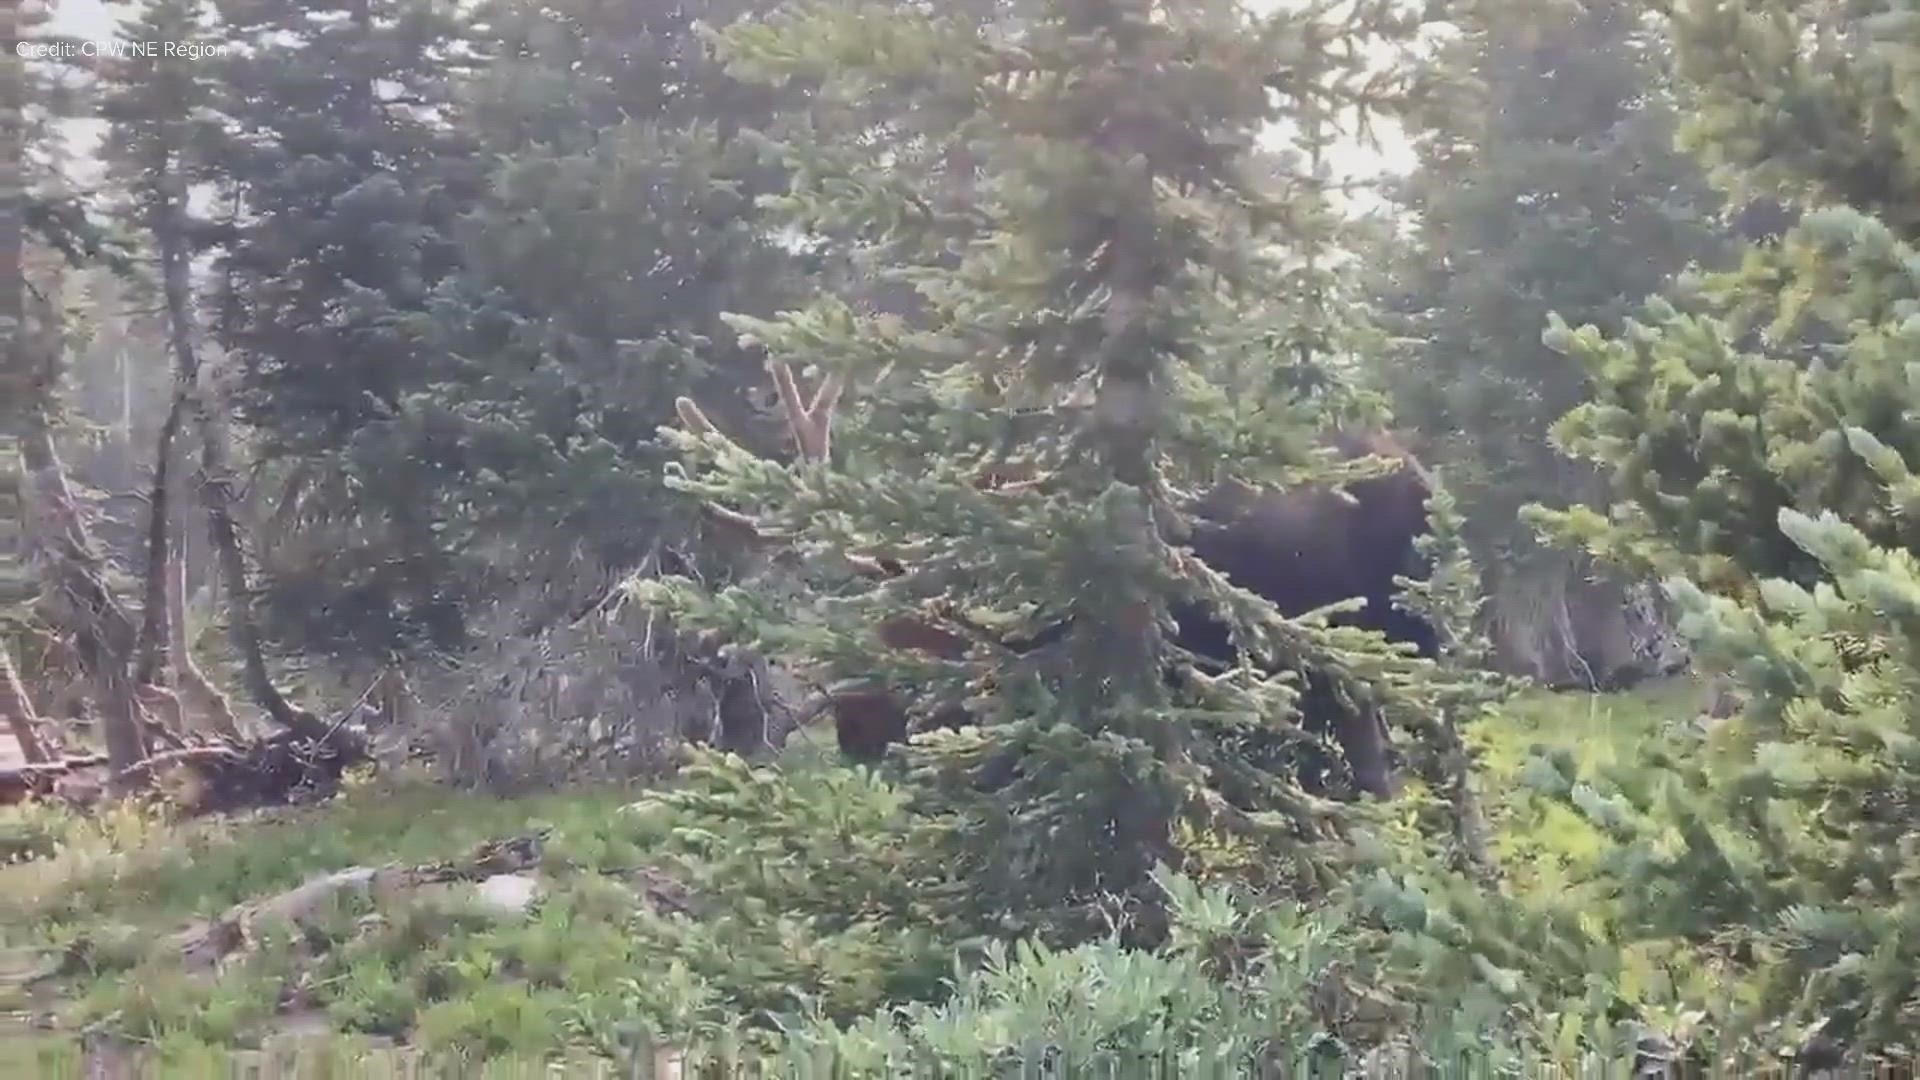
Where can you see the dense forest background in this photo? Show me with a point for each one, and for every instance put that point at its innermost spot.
(502, 401)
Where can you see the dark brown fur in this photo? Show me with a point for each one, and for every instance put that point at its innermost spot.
(1307, 548)
(1301, 549)
(866, 722)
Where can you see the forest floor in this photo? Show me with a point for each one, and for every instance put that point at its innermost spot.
(102, 918)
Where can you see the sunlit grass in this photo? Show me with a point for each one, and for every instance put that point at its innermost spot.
(1545, 847)
(137, 866)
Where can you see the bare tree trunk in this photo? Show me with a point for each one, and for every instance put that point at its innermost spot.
(17, 709)
(202, 700)
(216, 495)
(78, 601)
(151, 658)
(164, 632)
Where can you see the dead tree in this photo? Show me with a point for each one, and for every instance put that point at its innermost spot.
(75, 598)
(200, 699)
(163, 631)
(243, 626)
(17, 709)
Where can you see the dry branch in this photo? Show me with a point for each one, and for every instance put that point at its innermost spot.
(17, 710)
(216, 495)
(77, 600)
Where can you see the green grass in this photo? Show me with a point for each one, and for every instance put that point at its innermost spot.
(116, 886)
(1598, 729)
(807, 886)
(139, 868)
(804, 906)
(1544, 846)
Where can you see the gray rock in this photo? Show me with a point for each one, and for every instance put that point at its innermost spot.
(510, 894)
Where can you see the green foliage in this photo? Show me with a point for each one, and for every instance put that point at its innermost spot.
(1041, 242)
(1789, 100)
(1546, 182)
(1389, 968)
(734, 902)
(802, 913)
(340, 187)
(1758, 435)
(831, 903)
(1709, 438)
(136, 864)
(609, 133)
(1719, 410)
(1072, 195)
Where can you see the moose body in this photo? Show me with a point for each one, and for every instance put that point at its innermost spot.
(1305, 548)
(1301, 549)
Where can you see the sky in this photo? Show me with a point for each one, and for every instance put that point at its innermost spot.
(97, 20)
(89, 18)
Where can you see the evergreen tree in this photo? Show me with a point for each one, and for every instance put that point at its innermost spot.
(1758, 435)
(1067, 185)
(617, 226)
(1547, 182)
(344, 180)
(1789, 101)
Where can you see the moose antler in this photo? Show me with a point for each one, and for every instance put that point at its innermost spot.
(811, 424)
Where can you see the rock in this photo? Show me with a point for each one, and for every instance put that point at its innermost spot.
(510, 894)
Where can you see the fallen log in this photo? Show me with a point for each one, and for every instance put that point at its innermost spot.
(203, 946)
(37, 780)
(210, 778)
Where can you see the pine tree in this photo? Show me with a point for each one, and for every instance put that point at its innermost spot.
(1066, 184)
(1758, 433)
(617, 227)
(343, 183)
(1788, 101)
(1547, 182)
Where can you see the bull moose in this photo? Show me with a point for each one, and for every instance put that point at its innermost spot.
(1300, 548)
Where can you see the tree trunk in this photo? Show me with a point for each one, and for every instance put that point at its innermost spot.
(155, 648)
(77, 600)
(1470, 829)
(201, 700)
(17, 709)
(165, 626)
(216, 495)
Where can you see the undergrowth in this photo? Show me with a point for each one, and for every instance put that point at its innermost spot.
(796, 909)
(736, 893)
